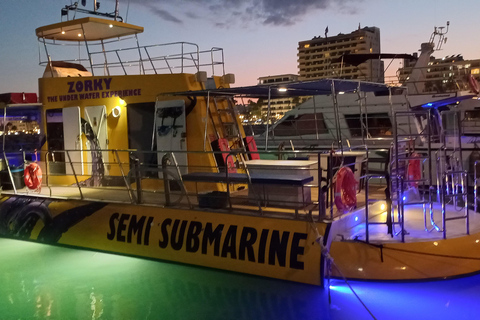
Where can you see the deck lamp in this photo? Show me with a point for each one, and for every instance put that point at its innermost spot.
(116, 112)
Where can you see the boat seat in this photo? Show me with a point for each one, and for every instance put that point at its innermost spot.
(256, 178)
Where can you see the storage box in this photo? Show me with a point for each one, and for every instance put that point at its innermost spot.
(214, 200)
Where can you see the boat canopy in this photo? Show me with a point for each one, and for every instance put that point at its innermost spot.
(299, 88)
(87, 29)
(358, 58)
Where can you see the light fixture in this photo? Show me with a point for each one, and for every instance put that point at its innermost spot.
(110, 25)
(63, 32)
(122, 102)
(282, 89)
(79, 34)
(116, 112)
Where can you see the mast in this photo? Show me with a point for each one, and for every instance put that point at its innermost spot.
(416, 81)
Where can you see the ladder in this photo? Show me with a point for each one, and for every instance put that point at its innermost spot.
(227, 120)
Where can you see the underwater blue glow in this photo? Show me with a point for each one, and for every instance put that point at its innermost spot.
(341, 288)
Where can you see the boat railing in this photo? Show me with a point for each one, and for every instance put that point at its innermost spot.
(174, 57)
(294, 188)
(152, 59)
(161, 178)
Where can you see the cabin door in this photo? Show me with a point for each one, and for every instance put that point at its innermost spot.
(72, 139)
(170, 131)
(95, 129)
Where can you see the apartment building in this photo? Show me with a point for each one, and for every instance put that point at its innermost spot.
(278, 107)
(320, 57)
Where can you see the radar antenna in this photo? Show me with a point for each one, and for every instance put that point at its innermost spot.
(438, 31)
(96, 5)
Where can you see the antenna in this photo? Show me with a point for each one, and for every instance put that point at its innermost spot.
(438, 31)
(96, 5)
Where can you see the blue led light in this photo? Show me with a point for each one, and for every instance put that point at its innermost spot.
(404, 198)
(356, 219)
(427, 105)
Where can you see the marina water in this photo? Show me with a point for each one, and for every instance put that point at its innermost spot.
(50, 282)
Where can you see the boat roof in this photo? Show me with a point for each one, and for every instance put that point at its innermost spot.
(289, 89)
(358, 58)
(87, 29)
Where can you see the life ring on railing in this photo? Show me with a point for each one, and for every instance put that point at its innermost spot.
(473, 84)
(414, 170)
(32, 175)
(345, 189)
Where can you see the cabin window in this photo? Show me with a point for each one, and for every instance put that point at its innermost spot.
(379, 124)
(303, 124)
(472, 115)
(21, 128)
(55, 140)
(141, 117)
(471, 122)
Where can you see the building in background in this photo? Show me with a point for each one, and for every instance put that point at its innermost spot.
(278, 107)
(320, 57)
(443, 74)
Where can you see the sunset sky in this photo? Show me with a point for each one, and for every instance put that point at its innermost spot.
(259, 37)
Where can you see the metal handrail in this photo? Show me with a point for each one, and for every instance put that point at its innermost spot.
(367, 201)
(9, 172)
(475, 185)
(127, 184)
(74, 174)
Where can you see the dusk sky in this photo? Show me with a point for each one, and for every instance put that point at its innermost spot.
(259, 37)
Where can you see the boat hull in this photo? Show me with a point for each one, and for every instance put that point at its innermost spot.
(270, 247)
(426, 260)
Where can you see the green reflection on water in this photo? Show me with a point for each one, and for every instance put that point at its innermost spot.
(48, 282)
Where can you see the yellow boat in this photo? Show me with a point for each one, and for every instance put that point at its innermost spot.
(144, 155)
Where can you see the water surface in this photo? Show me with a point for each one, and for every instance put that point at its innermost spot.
(47, 282)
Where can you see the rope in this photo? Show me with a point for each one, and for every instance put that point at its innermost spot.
(326, 253)
(353, 291)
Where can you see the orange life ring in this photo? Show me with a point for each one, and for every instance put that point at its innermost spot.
(473, 84)
(32, 175)
(345, 189)
(414, 170)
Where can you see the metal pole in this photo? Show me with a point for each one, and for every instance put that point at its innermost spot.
(268, 118)
(315, 117)
(4, 123)
(166, 182)
(116, 10)
(206, 122)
